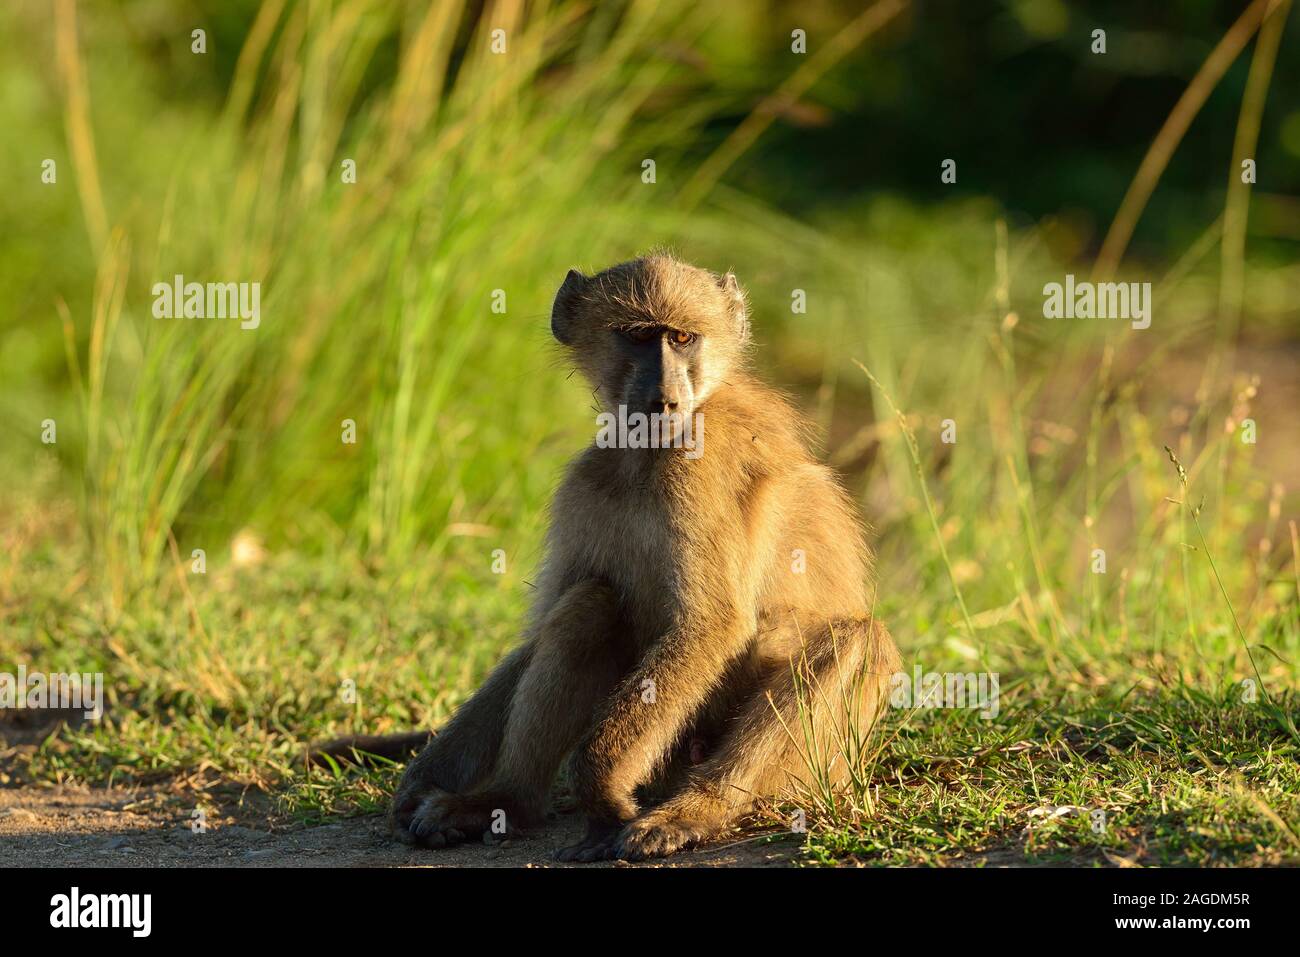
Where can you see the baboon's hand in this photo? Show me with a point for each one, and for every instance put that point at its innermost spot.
(658, 835)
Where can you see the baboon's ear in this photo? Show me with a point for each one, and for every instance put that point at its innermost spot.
(736, 304)
(562, 310)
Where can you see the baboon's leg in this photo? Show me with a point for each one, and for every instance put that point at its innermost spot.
(465, 750)
(574, 665)
(759, 755)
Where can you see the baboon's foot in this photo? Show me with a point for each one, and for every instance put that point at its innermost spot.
(442, 819)
(659, 833)
(597, 845)
(406, 810)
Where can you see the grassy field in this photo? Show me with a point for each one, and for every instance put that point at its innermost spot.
(1158, 688)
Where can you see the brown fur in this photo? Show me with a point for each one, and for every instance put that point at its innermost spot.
(675, 571)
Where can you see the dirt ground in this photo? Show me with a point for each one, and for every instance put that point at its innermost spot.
(83, 827)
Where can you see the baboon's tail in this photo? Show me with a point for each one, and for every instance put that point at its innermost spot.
(362, 749)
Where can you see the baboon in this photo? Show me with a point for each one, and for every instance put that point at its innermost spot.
(684, 600)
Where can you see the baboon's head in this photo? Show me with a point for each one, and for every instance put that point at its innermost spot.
(654, 334)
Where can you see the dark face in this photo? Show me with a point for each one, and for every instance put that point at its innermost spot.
(653, 334)
(662, 368)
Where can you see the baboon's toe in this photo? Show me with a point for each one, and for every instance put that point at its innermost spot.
(597, 845)
(401, 831)
(598, 852)
(443, 819)
(408, 817)
(586, 852)
(421, 820)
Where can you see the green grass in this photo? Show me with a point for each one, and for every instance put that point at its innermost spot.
(1121, 692)
(1185, 772)
(1182, 776)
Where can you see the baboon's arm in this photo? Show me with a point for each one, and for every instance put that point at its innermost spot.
(650, 709)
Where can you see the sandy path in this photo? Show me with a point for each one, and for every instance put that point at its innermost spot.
(85, 827)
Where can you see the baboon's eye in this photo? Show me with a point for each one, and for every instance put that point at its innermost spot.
(641, 333)
(683, 338)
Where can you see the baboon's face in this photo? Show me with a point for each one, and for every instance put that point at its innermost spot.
(654, 334)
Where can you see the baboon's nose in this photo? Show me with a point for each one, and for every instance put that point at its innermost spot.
(670, 395)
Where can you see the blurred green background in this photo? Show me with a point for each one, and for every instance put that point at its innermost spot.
(478, 171)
